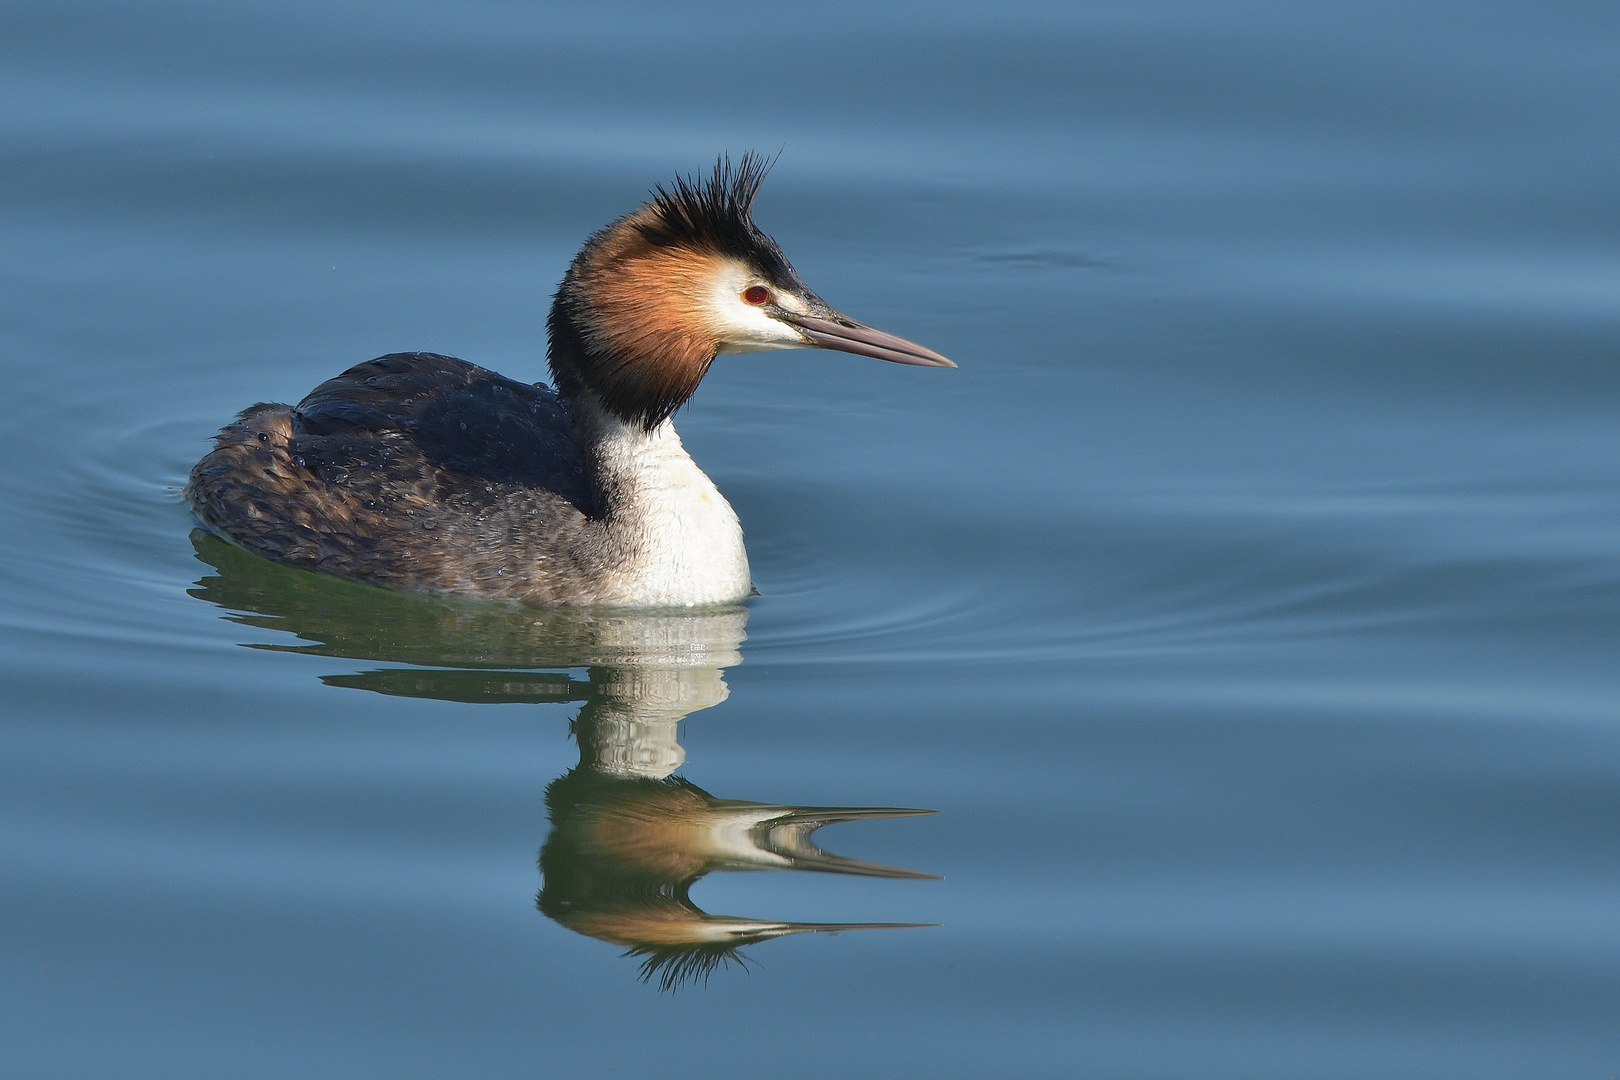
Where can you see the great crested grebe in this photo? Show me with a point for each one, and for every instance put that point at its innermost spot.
(420, 471)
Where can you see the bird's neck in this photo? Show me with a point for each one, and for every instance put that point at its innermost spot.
(637, 365)
(679, 542)
(675, 539)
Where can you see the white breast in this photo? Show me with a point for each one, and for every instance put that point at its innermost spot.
(683, 542)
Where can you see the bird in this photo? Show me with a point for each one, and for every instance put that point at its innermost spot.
(424, 472)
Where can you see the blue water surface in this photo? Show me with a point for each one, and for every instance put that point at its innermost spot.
(1247, 602)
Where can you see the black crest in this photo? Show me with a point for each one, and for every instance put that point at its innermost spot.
(716, 213)
(683, 965)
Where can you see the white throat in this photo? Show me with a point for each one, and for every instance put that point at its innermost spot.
(681, 541)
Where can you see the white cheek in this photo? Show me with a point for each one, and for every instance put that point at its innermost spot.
(748, 329)
(741, 326)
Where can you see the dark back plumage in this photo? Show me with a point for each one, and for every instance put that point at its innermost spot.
(469, 425)
(413, 470)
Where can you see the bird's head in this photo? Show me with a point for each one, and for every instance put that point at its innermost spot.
(655, 296)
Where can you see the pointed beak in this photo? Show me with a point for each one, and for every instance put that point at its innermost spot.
(830, 330)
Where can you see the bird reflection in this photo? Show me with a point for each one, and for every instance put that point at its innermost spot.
(628, 839)
(624, 853)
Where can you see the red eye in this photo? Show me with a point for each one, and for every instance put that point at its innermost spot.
(756, 294)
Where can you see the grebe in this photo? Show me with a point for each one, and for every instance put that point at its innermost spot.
(419, 471)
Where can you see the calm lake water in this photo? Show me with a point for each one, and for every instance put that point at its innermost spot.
(1247, 604)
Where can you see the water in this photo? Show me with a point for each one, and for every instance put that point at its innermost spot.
(1246, 604)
